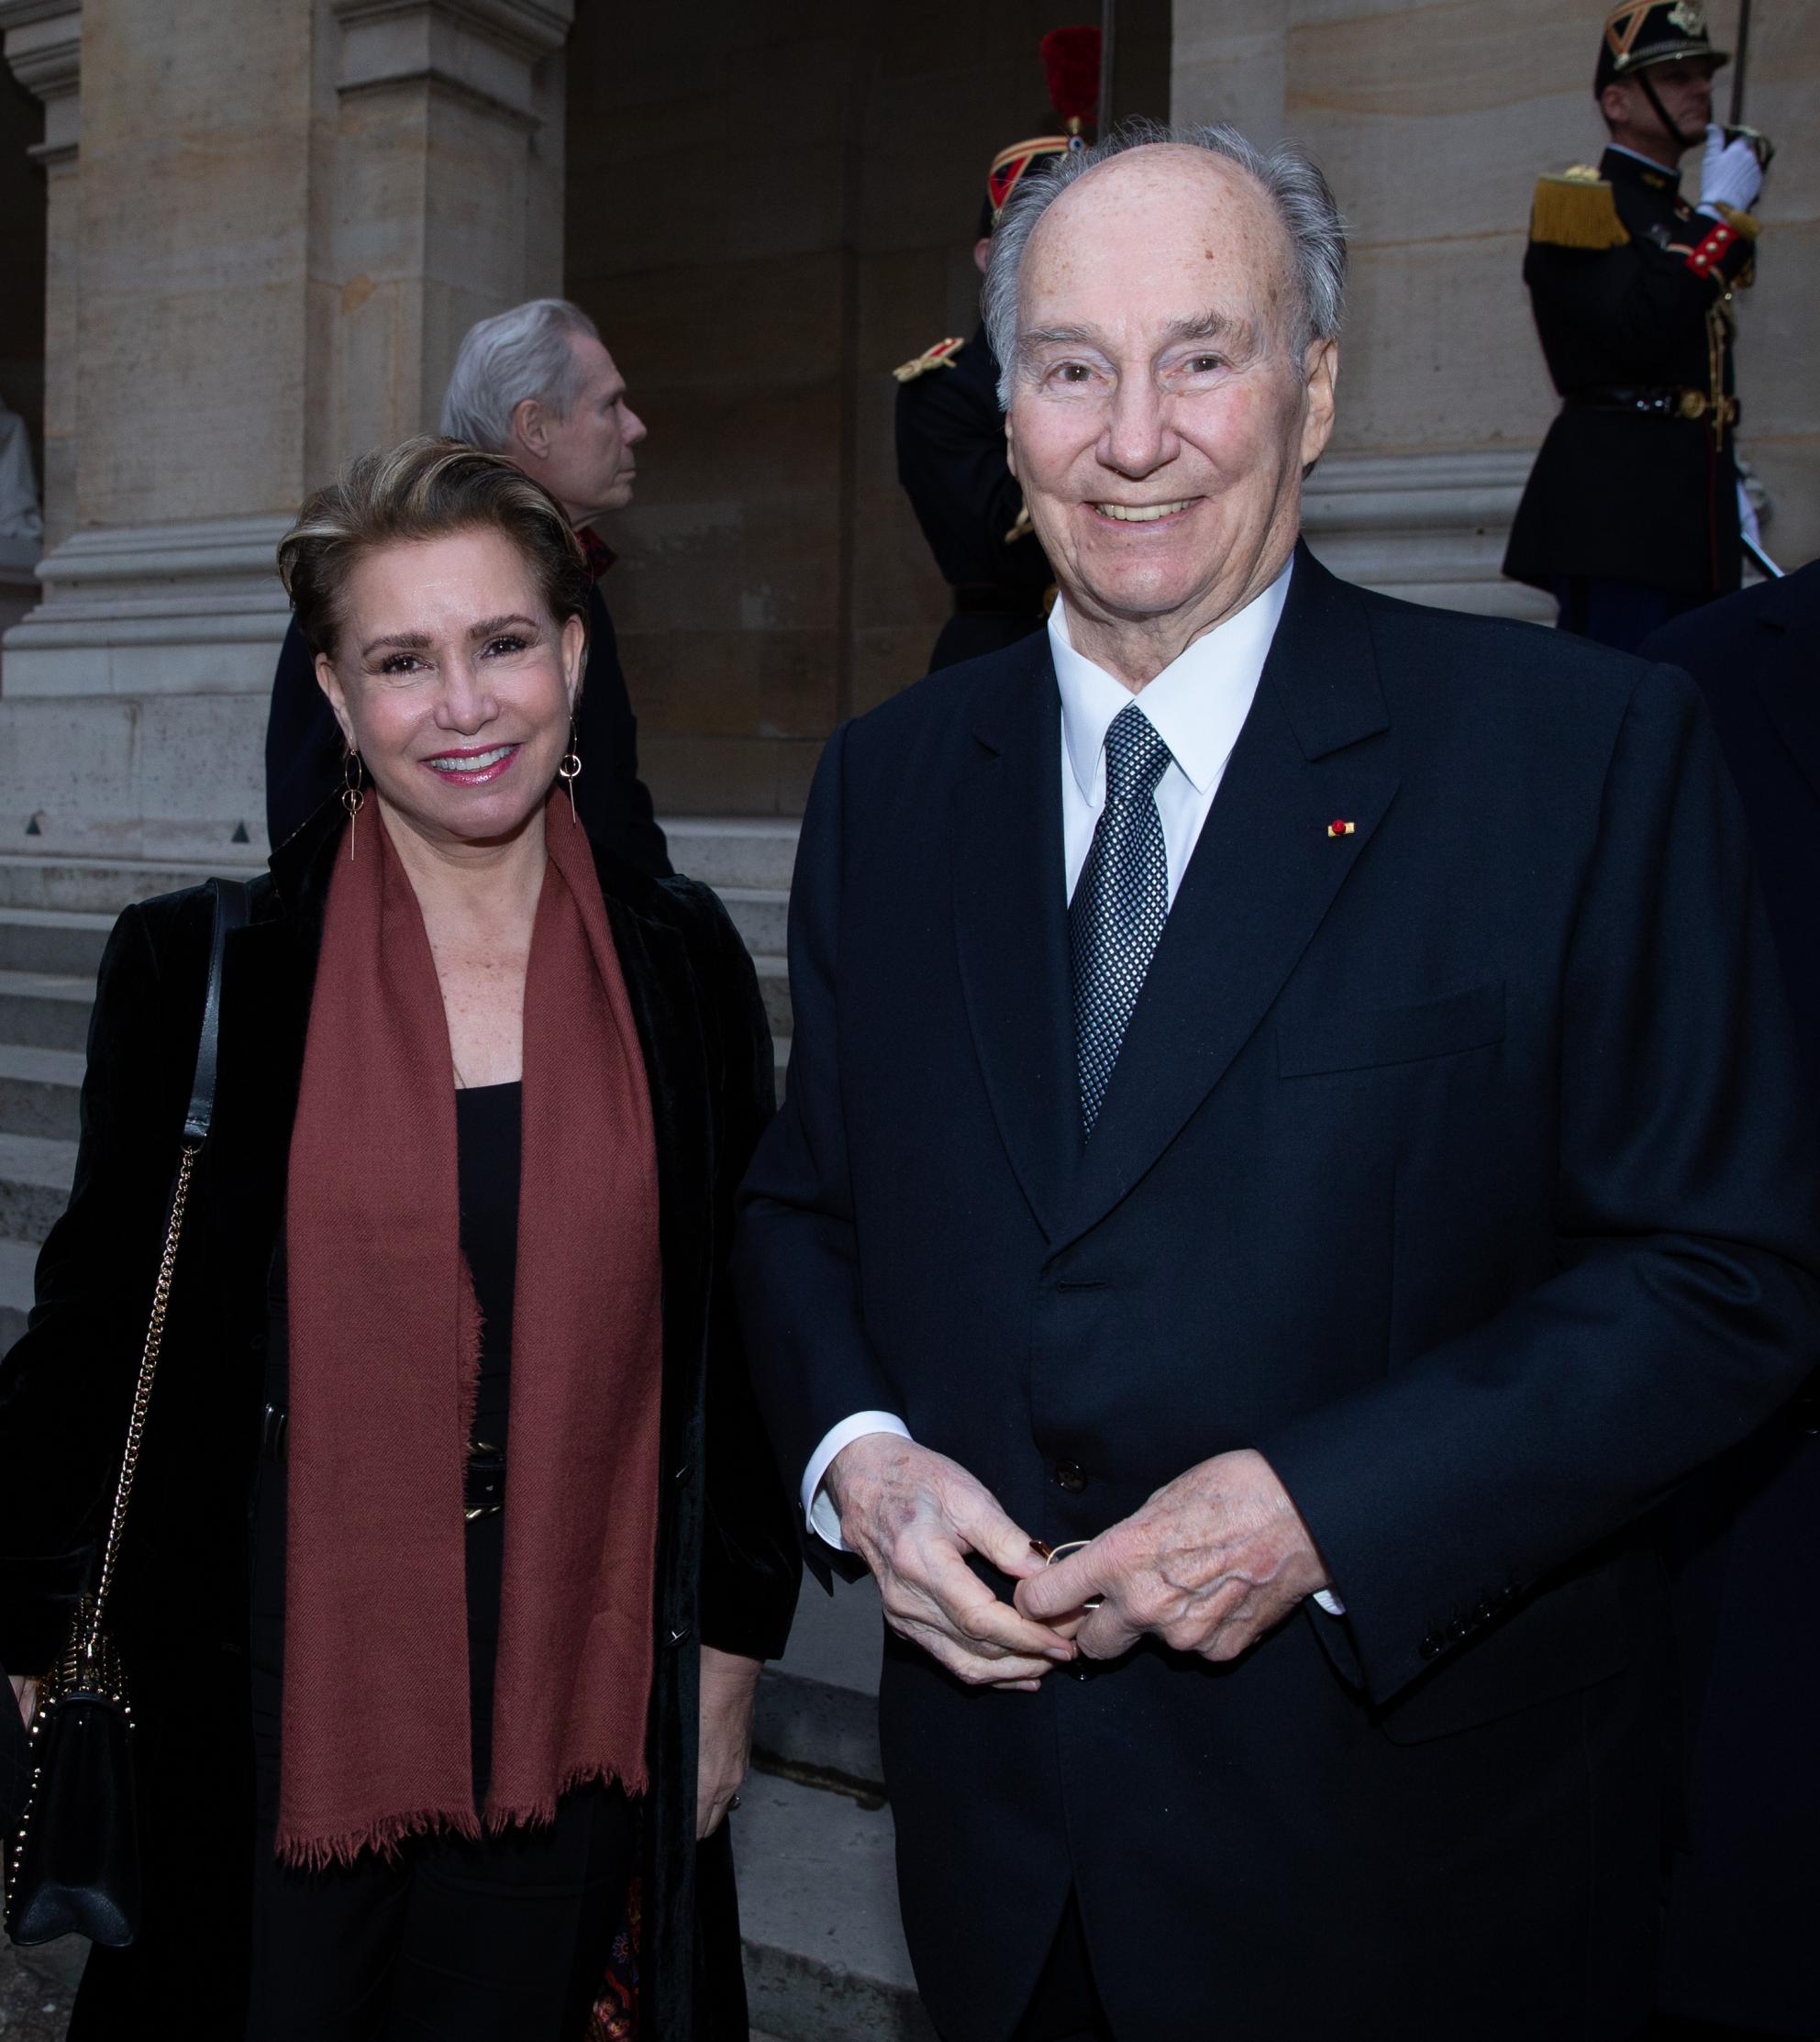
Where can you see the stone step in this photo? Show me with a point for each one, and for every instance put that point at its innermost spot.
(18, 1260)
(730, 851)
(67, 942)
(725, 852)
(774, 985)
(761, 914)
(825, 1954)
(35, 1177)
(39, 1092)
(102, 885)
(818, 1706)
(45, 1010)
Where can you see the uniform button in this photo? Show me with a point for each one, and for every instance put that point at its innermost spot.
(1433, 1646)
(1487, 1611)
(1070, 1475)
(1462, 1626)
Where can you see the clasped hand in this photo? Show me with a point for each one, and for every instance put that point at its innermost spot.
(1211, 1562)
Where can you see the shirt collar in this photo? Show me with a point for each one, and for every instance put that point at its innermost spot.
(1196, 705)
(1646, 166)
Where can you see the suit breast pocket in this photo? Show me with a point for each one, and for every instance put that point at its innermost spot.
(1362, 1038)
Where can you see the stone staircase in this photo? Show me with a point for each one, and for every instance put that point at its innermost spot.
(825, 1959)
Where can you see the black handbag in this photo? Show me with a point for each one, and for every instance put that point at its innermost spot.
(74, 1865)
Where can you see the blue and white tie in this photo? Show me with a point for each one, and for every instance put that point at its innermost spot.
(1120, 904)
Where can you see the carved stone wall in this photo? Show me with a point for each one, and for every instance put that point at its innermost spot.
(268, 229)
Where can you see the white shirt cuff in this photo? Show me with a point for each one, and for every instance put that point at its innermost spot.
(1330, 1601)
(818, 1505)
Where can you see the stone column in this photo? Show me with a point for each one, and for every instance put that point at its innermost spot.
(283, 221)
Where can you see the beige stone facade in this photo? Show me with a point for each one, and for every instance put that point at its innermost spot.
(264, 228)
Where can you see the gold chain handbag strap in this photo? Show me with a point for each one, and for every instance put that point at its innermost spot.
(230, 913)
(154, 1345)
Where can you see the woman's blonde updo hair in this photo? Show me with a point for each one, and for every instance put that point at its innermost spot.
(424, 488)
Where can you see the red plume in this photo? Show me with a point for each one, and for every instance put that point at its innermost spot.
(1071, 60)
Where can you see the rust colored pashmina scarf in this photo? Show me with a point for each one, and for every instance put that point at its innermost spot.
(384, 1345)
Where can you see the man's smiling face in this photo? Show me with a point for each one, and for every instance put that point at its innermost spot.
(1160, 417)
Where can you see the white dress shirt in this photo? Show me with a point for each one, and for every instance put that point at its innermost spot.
(1198, 704)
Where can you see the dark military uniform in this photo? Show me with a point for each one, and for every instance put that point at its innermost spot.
(1635, 481)
(951, 462)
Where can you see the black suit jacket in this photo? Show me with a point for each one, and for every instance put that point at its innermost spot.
(727, 1557)
(951, 462)
(1746, 1538)
(1448, 1162)
(1631, 496)
(304, 752)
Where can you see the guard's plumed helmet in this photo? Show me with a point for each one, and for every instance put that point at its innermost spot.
(1645, 32)
(1072, 65)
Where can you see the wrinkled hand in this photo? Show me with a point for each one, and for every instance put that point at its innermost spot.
(913, 1515)
(1215, 1560)
(1730, 173)
(24, 1693)
(729, 1688)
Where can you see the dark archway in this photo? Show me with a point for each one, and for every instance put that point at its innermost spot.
(768, 205)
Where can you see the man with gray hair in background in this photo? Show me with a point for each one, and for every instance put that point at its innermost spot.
(536, 385)
(1291, 1151)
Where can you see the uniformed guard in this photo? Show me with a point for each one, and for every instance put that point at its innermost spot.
(951, 429)
(1631, 514)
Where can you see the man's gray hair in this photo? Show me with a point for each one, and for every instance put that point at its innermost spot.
(525, 352)
(1289, 178)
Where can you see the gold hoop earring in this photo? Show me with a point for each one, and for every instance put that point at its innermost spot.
(569, 770)
(353, 794)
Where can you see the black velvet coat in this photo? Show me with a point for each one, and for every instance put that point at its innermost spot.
(727, 1559)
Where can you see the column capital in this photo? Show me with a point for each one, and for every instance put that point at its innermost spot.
(484, 50)
(43, 42)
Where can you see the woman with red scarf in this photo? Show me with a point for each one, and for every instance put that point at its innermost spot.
(456, 1546)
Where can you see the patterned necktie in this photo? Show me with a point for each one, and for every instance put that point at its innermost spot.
(1120, 902)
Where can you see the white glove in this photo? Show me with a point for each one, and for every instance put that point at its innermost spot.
(1729, 173)
(1747, 518)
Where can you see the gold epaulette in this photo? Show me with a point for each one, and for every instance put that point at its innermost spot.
(937, 357)
(1575, 209)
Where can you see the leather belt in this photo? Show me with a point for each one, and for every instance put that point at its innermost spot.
(1669, 401)
(483, 1488)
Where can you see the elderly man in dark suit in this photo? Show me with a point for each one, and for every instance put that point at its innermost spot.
(535, 385)
(1289, 1123)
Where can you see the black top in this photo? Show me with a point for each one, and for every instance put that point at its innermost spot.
(487, 1135)
(1632, 496)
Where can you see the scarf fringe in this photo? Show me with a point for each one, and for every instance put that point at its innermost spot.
(384, 1838)
(589, 1773)
(387, 1837)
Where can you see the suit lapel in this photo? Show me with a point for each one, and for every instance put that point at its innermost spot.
(1316, 749)
(1010, 925)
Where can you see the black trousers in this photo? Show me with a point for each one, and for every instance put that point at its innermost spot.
(500, 1940)
(1618, 614)
(503, 1939)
